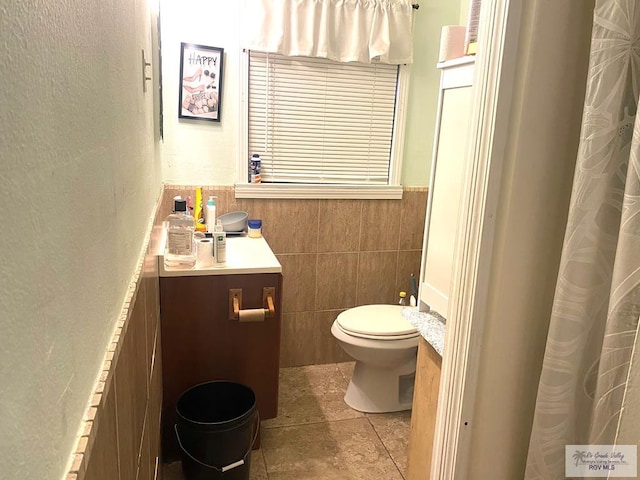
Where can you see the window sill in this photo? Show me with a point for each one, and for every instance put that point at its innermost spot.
(346, 192)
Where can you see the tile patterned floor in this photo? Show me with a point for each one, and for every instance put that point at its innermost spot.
(316, 436)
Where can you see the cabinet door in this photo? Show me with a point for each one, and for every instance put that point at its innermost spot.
(201, 344)
(423, 415)
(446, 198)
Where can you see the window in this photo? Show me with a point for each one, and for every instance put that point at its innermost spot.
(321, 126)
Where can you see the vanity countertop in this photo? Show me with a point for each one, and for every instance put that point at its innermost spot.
(244, 256)
(431, 326)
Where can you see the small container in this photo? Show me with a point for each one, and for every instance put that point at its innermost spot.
(234, 221)
(254, 169)
(403, 299)
(255, 228)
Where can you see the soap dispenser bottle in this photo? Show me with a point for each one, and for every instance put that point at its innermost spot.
(210, 215)
(180, 251)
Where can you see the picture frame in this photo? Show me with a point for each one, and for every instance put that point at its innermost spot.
(200, 93)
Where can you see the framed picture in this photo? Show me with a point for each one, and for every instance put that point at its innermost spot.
(200, 82)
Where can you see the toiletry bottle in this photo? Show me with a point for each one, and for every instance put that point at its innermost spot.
(220, 245)
(254, 228)
(254, 169)
(210, 214)
(180, 251)
(403, 299)
(198, 213)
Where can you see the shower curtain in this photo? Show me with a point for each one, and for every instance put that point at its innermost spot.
(589, 392)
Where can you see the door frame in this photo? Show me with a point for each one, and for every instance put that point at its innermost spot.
(494, 79)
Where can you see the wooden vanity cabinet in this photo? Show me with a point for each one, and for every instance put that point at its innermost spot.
(201, 344)
(423, 415)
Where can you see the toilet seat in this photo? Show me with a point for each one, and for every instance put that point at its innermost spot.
(377, 322)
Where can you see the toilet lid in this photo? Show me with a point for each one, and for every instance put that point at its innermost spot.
(377, 320)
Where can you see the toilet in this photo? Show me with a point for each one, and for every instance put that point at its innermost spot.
(384, 345)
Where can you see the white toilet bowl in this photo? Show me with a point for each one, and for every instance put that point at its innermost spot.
(384, 345)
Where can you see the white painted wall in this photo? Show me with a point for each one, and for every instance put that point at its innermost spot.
(198, 152)
(464, 11)
(423, 88)
(206, 153)
(78, 178)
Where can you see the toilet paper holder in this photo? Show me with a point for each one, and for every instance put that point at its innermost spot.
(254, 314)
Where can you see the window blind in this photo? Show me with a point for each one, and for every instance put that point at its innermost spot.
(313, 120)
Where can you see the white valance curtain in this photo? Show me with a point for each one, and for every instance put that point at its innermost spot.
(341, 30)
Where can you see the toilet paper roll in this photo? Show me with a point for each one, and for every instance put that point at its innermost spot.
(252, 315)
(204, 258)
(451, 42)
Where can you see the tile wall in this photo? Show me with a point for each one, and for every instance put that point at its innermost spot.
(335, 254)
(121, 431)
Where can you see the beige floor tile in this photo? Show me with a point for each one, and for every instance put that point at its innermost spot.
(316, 436)
(346, 368)
(319, 376)
(393, 430)
(311, 394)
(341, 450)
(258, 467)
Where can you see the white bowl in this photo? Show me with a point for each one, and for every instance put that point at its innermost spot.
(234, 221)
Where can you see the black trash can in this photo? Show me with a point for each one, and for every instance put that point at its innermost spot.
(216, 427)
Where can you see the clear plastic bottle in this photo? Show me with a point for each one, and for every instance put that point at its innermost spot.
(180, 250)
(403, 299)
